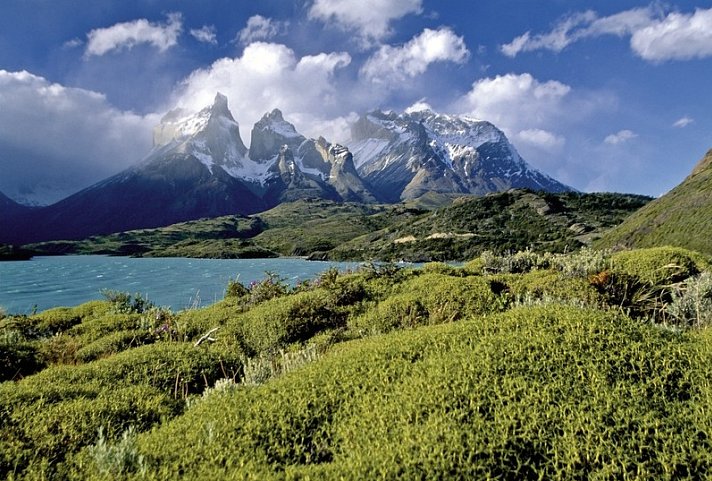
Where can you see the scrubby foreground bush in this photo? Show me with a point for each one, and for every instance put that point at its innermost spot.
(594, 365)
(535, 393)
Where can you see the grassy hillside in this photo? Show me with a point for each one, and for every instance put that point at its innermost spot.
(531, 366)
(682, 217)
(435, 227)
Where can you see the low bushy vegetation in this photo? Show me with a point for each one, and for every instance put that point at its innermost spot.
(591, 365)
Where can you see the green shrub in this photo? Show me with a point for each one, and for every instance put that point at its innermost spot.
(548, 286)
(659, 265)
(442, 268)
(429, 299)
(448, 298)
(19, 359)
(193, 323)
(292, 319)
(126, 303)
(534, 393)
(57, 411)
(475, 267)
(56, 320)
(396, 312)
(174, 368)
(522, 261)
(581, 263)
(113, 343)
(50, 322)
(692, 302)
(268, 288)
(60, 349)
(265, 367)
(235, 289)
(95, 328)
(39, 435)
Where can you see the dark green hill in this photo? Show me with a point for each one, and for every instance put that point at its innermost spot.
(457, 230)
(507, 221)
(682, 217)
(294, 228)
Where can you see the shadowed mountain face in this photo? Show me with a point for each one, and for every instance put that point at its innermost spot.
(200, 167)
(403, 156)
(11, 217)
(682, 217)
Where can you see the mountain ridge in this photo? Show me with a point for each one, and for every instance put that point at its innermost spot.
(200, 167)
(406, 155)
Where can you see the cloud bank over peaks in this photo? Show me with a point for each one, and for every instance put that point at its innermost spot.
(390, 65)
(542, 139)
(129, 34)
(269, 76)
(261, 28)
(55, 140)
(542, 119)
(418, 106)
(370, 20)
(654, 35)
(515, 102)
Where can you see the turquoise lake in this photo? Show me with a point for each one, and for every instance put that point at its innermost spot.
(178, 283)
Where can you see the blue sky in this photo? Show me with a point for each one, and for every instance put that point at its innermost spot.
(603, 95)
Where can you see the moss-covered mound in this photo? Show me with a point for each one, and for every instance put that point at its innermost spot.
(535, 393)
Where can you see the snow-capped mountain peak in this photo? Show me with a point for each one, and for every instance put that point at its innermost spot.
(212, 136)
(405, 155)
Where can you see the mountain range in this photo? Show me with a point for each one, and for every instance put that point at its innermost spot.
(200, 167)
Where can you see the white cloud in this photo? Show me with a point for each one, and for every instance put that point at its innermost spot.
(676, 37)
(205, 34)
(418, 106)
(55, 140)
(683, 122)
(515, 102)
(261, 28)
(269, 76)
(542, 139)
(558, 39)
(73, 43)
(395, 64)
(129, 34)
(620, 137)
(543, 119)
(369, 19)
(654, 35)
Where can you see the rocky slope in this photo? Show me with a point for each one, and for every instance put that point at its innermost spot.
(403, 156)
(306, 168)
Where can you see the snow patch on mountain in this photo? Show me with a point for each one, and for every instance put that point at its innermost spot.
(364, 151)
(252, 171)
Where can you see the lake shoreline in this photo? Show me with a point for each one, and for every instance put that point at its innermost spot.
(176, 283)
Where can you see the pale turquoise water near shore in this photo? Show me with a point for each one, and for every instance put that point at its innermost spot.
(46, 282)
